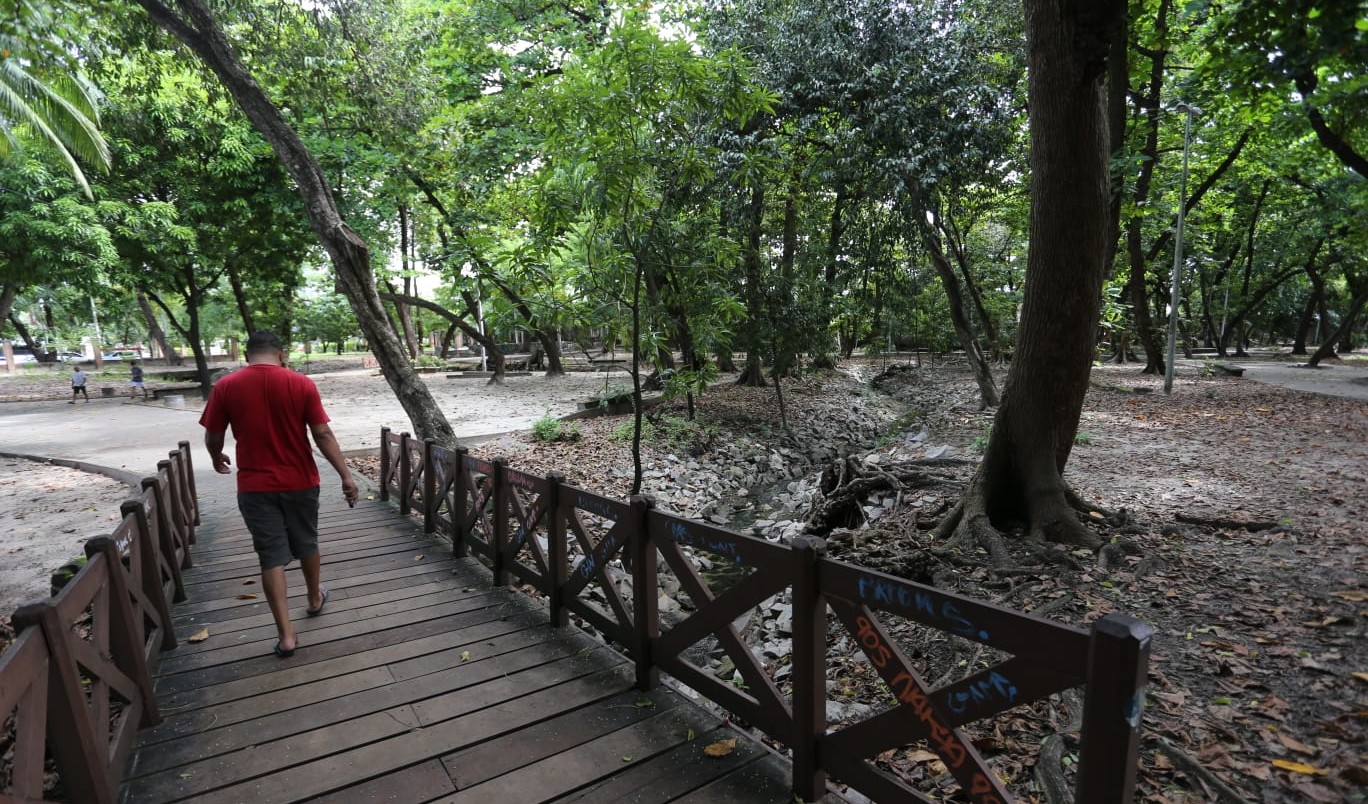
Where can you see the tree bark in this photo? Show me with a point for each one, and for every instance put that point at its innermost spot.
(492, 351)
(154, 331)
(1149, 101)
(196, 28)
(1327, 347)
(1020, 480)
(752, 374)
(8, 291)
(983, 375)
(240, 296)
(25, 335)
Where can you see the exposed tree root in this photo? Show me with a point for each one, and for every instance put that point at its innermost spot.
(1228, 524)
(847, 482)
(1049, 771)
(1189, 765)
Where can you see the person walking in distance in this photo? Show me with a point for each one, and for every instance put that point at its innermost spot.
(78, 381)
(270, 408)
(136, 380)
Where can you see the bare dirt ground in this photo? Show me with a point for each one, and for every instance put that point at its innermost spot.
(47, 513)
(1246, 503)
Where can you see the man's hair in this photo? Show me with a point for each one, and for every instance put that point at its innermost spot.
(264, 341)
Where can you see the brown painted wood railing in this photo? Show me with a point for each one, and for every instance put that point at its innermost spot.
(560, 540)
(77, 679)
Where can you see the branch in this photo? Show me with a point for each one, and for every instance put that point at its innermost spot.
(170, 316)
(454, 318)
(1161, 244)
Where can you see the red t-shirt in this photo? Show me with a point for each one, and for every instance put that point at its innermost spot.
(270, 409)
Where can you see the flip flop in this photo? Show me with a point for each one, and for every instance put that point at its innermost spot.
(282, 653)
(319, 610)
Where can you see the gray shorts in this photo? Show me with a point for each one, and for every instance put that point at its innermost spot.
(282, 523)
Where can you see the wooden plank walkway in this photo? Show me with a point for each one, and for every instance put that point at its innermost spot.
(418, 683)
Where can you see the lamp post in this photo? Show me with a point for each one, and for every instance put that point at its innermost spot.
(1190, 110)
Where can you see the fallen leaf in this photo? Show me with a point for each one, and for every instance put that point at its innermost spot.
(1296, 745)
(418, 558)
(248, 583)
(247, 597)
(198, 636)
(920, 755)
(1360, 675)
(626, 757)
(1297, 767)
(465, 655)
(721, 748)
(1352, 595)
(644, 703)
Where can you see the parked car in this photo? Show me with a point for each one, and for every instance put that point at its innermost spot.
(20, 357)
(70, 357)
(120, 355)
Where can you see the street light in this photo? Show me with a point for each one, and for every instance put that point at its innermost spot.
(1178, 250)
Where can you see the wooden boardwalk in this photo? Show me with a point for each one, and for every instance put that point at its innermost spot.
(418, 683)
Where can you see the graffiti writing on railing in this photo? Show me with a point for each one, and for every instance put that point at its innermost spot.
(681, 533)
(596, 506)
(607, 548)
(908, 689)
(521, 480)
(941, 611)
(520, 534)
(995, 685)
(124, 541)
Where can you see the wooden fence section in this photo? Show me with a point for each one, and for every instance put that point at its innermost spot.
(77, 681)
(580, 550)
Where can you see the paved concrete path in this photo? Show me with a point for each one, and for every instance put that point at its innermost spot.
(1348, 381)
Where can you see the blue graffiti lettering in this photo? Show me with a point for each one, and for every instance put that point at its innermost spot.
(944, 613)
(596, 506)
(982, 691)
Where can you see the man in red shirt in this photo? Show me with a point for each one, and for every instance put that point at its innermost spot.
(269, 408)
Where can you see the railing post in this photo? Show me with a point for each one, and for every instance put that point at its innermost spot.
(809, 668)
(429, 488)
(385, 464)
(82, 761)
(645, 592)
(405, 475)
(175, 511)
(149, 555)
(126, 639)
(1118, 660)
(461, 493)
(165, 535)
(187, 504)
(502, 577)
(557, 549)
(190, 479)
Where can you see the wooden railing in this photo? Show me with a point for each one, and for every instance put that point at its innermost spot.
(576, 547)
(77, 680)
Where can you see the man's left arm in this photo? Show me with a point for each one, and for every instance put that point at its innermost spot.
(327, 443)
(213, 441)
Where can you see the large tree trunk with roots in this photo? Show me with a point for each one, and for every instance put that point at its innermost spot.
(1020, 482)
(195, 27)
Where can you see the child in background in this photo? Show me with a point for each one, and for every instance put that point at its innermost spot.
(137, 380)
(78, 381)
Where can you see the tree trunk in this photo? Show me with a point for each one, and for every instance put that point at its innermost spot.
(753, 374)
(240, 296)
(1327, 347)
(1149, 101)
(350, 256)
(8, 291)
(1313, 302)
(154, 331)
(492, 352)
(25, 335)
(1020, 480)
(983, 375)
